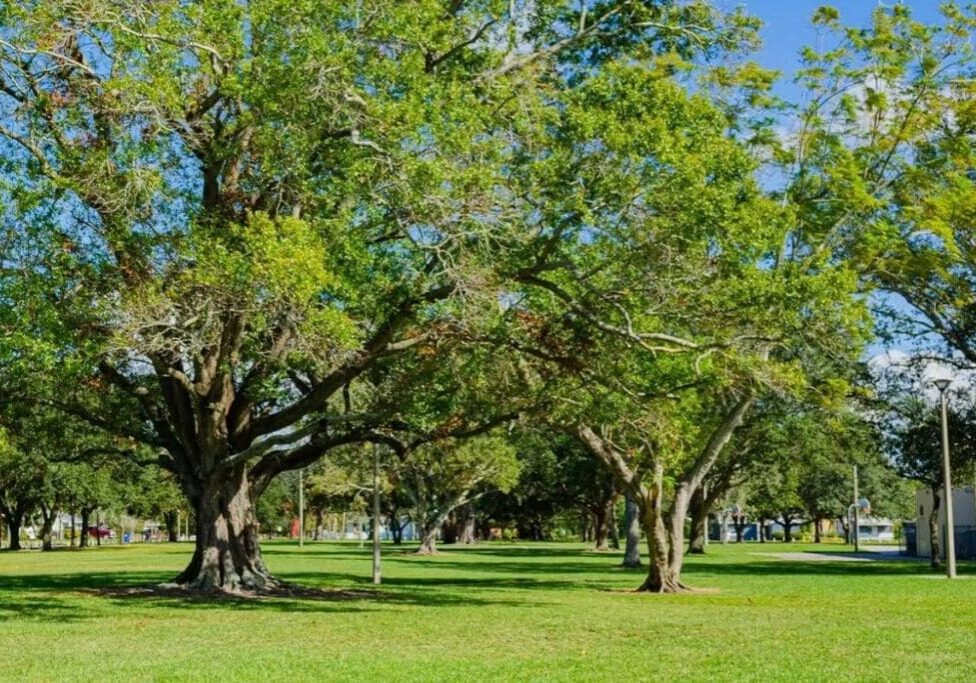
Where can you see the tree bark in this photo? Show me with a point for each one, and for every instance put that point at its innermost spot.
(47, 524)
(83, 542)
(614, 527)
(934, 534)
(449, 530)
(13, 525)
(428, 540)
(172, 532)
(396, 529)
(762, 529)
(601, 528)
(227, 555)
(664, 541)
(699, 524)
(632, 527)
(739, 524)
(787, 529)
(466, 526)
(817, 531)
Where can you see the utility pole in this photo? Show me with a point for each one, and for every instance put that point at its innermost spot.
(376, 515)
(301, 508)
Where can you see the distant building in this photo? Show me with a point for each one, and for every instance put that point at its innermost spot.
(880, 529)
(918, 540)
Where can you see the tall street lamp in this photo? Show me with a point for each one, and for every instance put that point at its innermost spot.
(943, 386)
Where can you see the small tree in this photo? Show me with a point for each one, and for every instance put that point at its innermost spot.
(441, 477)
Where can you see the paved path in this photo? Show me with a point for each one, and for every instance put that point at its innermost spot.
(875, 554)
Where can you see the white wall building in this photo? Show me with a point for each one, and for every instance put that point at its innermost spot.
(963, 512)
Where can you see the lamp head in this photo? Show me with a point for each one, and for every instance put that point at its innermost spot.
(942, 383)
(864, 505)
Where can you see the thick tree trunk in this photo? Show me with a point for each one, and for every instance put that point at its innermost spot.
(13, 525)
(466, 526)
(428, 540)
(317, 536)
(817, 531)
(699, 524)
(601, 528)
(934, 531)
(787, 529)
(47, 524)
(85, 521)
(396, 529)
(665, 542)
(74, 527)
(632, 527)
(762, 529)
(739, 524)
(227, 555)
(449, 530)
(585, 527)
(171, 531)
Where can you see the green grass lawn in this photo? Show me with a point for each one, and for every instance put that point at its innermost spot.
(490, 612)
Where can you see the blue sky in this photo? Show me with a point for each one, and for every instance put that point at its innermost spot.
(787, 29)
(787, 24)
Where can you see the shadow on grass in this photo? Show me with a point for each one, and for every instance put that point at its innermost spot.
(462, 576)
(775, 567)
(48, 597)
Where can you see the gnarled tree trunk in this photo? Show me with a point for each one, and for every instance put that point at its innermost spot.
(227, 555)
(428, 540)
(664, 538)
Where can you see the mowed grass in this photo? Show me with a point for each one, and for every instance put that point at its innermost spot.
(495, 611)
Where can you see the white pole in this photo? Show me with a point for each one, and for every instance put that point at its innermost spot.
(947, 474)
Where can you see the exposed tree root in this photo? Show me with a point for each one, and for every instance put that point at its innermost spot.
(658, 585)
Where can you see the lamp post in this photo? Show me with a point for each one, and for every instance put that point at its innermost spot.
(943, 386)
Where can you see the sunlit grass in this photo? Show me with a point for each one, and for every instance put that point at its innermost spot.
(492, 611)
